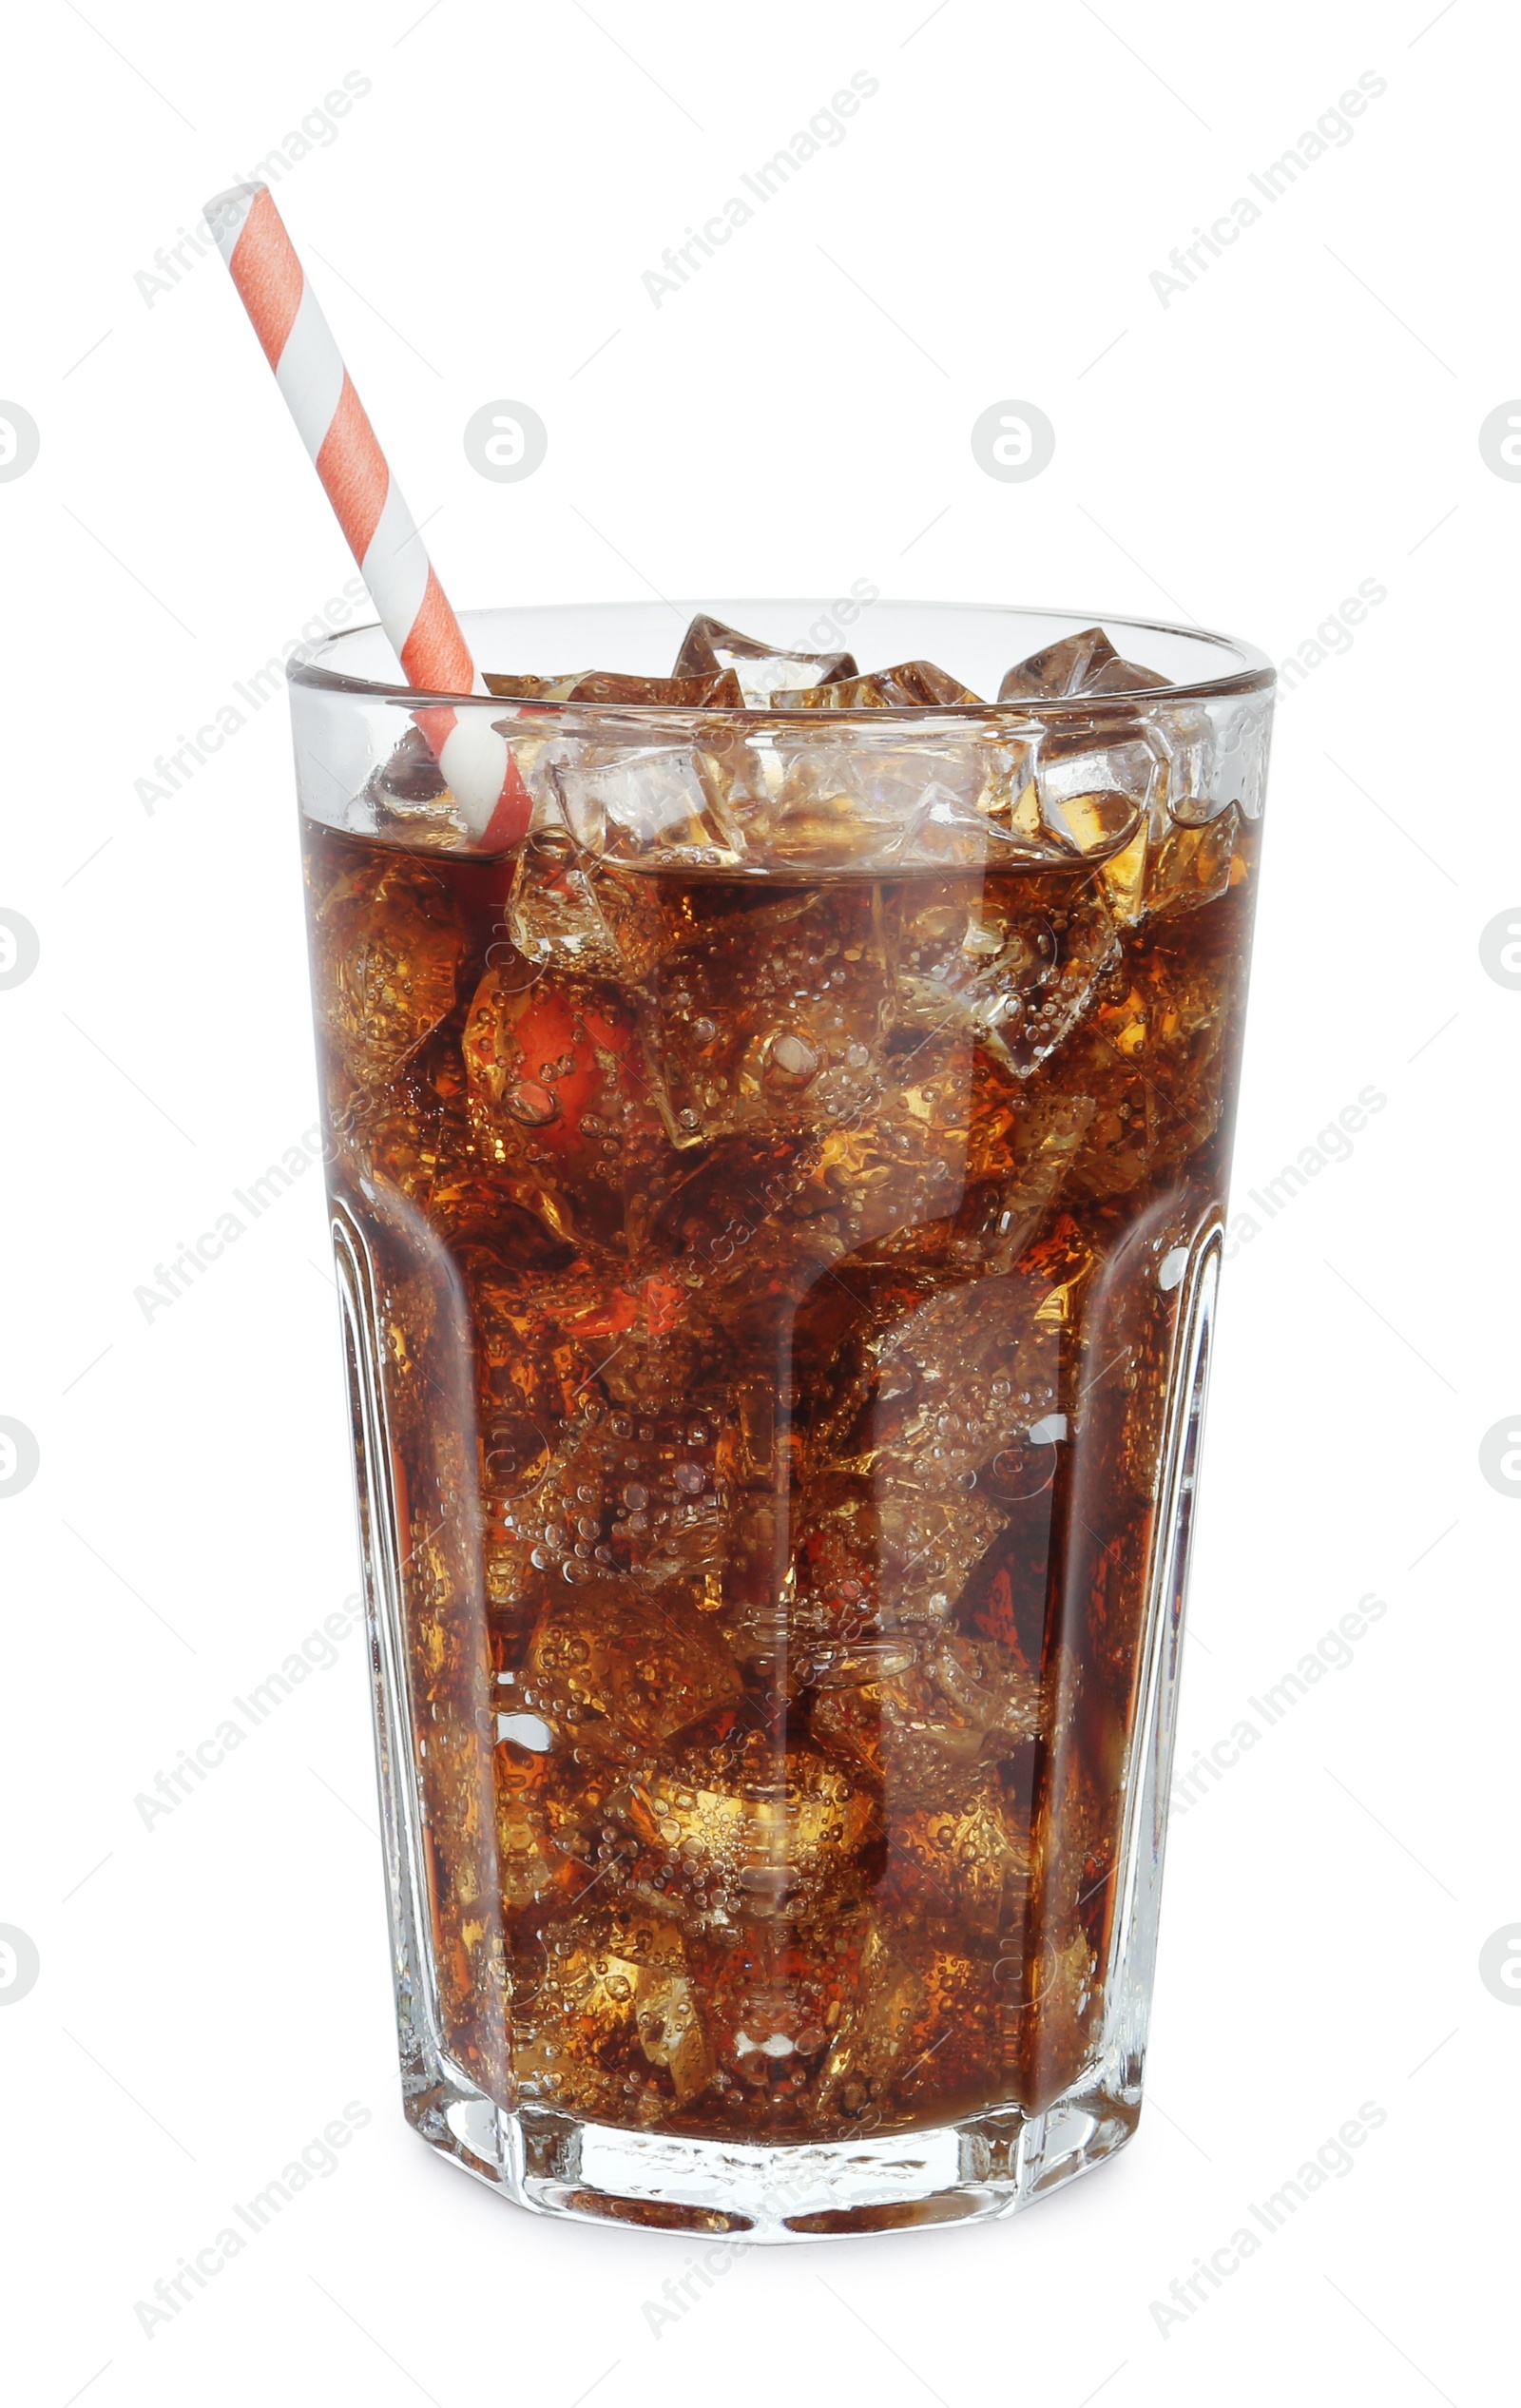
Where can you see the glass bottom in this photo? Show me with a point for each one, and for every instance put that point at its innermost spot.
(970, 2172)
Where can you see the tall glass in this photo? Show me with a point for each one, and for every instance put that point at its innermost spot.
(778, 1213)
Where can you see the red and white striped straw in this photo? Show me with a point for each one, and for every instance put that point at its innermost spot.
(331, 419)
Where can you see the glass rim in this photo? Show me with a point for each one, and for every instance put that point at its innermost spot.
(1253, 673)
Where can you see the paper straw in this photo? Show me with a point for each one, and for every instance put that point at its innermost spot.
(331, 419)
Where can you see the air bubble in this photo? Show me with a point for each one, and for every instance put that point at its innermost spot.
(533, 1105)
(792, 1058)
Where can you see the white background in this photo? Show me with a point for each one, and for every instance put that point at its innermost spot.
(1303, 417)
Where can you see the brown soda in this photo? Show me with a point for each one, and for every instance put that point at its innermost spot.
(775, 1291)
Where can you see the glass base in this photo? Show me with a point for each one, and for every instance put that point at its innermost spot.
(956, 2173)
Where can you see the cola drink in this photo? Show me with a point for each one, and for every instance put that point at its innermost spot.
(778, 1206)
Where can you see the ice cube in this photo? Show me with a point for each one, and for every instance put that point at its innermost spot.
(929, 1547)
(559, 1101)
(1225, 759)
(959, 1702)
(530, 1860)
(708, 648)
(954, 1382)
(388, 953)
(836, 1566)
(1195, 864)
(566, 907)
(646, 1665)
(1151, 1062)
(765, 998)
(1026, 1163)
(1017, 965)
(863, 803)
(921, 2031)
(776, 2001)
(883, 2030)
(824, 822)
(1090, 816)
(992, 1689)
(631, 802)
(909, 684)
(640, 1487)
(611, 2028)
(716, 690)
(743, 1829)
(408, 1130)
(966, 1857)
(1100, 787)
(521, 687)
(796, 791)
(951, 830)
(550, 1343)
(407, 801)
(890, 1174)
(1086, 664)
